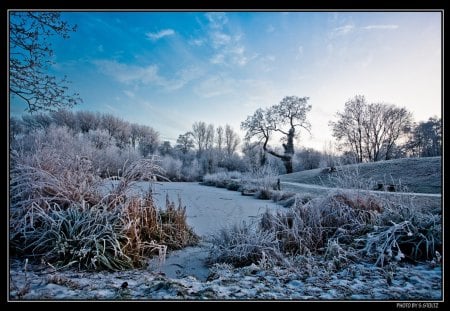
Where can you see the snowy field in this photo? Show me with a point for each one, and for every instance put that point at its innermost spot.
(208, 208)
(184, 275)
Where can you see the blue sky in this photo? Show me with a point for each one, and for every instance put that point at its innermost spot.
(170, 69)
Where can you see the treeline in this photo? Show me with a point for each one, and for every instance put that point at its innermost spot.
(364, 132)
(110, 143)
(370, 132)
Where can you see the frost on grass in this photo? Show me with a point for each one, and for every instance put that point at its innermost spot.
(341, 227)
(59, 216)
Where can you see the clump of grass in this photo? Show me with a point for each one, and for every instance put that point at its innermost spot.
(243, 244)
(341, 227)
(58, 215)
(404, 230)
(263, 194)
(90, 237)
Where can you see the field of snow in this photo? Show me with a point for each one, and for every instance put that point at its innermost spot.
(184, 275)
(209, 209)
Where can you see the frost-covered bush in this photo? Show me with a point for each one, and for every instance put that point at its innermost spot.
(262, 178)
(222, 179)
(191, 171)
(172, 167)
(61, 213)
(342, 227)
(242, 245)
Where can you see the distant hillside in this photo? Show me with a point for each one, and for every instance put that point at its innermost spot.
(422, 175)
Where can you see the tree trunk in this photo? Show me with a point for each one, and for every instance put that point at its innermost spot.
(288, 151)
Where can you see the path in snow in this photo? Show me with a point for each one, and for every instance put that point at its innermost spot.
(294, 185)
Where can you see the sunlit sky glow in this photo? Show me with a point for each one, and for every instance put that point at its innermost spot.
(170, 69)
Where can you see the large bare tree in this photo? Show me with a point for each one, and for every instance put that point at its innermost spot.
(370, 131)
(231, 140)
(30, 53)
(285, 118)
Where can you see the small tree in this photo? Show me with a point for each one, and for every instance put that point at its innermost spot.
(30, 57)
(185, 143)
(231, 140)
(285, 118)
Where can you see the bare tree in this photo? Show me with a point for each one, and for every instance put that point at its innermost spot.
(397, 121)
(64, 117)
(370, 131)
(349, 127)
(209, 139)
(30, 57)
(231, 140)
(37, 121)
(185, 143)
(285, 118)
(426, 138)
(148, 140)
(219, 137)
(199, 135)
(87, 121)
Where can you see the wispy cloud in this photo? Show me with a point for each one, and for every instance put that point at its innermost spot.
(228, 46)
(217, 19)
(196, 42)
(215, 86)
(130, 94)
(374, 27)
(342, 30)
(132, 74)
(160, 34)
(219, 39)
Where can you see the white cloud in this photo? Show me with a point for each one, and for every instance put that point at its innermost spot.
(160, 34)
(128, 73)
(227, 45)
(131, 74)
(197, 42)
(219, 39)
(217, 19)
(343, 30)
(372, 27)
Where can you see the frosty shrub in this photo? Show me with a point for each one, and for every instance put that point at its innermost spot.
(222, 179)
(262, 178)
(242, 245)
(191, 171)
(172, 168)
(88, 237)
(405, 230)
(342, 226)
(58, 214)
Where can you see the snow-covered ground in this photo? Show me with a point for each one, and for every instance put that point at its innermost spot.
(208, 208)
(185, 276)
(354, 282)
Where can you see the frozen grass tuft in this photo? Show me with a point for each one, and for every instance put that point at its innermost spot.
(342, 227)
(58, 215)
(242, 245)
